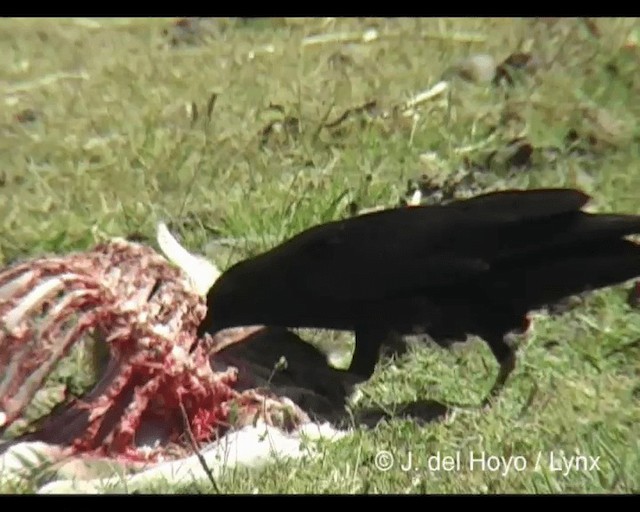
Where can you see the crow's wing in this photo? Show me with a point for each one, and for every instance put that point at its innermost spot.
(405, 250)
(381, 277)
(522, 205)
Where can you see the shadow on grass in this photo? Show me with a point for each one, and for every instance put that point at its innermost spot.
(421, 412)
(311, 382)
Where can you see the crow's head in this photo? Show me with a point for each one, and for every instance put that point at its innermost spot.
(241, 297)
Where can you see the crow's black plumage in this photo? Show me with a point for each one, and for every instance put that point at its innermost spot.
(469, 267)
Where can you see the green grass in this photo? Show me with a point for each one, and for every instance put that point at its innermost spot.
(106, 128)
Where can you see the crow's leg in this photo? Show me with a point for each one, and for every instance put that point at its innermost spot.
(505, 354)
(367, 351)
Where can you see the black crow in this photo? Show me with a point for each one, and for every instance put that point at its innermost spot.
(469, 267)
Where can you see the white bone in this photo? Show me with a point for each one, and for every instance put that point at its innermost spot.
(33, 298)
(252, 446)
(8, 289)
(201, 272)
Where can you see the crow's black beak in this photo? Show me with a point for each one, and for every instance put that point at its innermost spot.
(200, 332)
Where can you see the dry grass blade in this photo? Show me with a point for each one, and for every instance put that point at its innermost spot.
(341, 37)
(196, 449)
(42, 82)
(427, 95)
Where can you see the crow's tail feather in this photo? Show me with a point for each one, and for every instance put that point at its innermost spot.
(572, 271)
